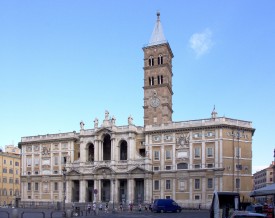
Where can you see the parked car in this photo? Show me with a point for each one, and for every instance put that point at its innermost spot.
(255, 208)
(165, 205)
(246, 214)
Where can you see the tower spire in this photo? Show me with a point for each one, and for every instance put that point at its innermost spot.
(157, 36)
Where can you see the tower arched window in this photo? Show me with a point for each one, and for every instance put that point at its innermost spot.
(160, 59)
(160, 79)
(152, 81)
(151, 61)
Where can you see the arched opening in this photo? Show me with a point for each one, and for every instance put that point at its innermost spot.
(151, 61)
(160, 59)
(91, 152)
(182, 166)
(123, 150)
(107, 148)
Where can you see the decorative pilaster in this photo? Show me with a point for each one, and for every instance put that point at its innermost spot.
(83, 190)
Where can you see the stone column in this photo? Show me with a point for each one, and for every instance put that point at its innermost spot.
(190, 190)
(174, 187)
(162, 157)
(83, 189)
(162, 188)
(83, 152)
(96, 150)
(116, 191)
(99, 189)
(68, 191)
(113, 150)
(130, 193)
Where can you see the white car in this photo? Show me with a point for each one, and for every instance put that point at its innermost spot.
(239, 214)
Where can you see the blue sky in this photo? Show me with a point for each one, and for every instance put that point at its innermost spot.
(66, 61)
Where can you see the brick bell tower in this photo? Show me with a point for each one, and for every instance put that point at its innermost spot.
(157, 78)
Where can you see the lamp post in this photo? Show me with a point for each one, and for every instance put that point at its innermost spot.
(64, 186)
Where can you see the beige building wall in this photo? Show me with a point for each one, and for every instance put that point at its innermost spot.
(10, 165)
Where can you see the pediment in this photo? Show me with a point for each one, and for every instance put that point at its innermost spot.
(103, 131)
(104, 171)
(138, 170)
(73, 173)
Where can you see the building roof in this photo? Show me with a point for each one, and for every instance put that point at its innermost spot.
(157, 36)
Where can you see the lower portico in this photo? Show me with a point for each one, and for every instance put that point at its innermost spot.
(104, 185)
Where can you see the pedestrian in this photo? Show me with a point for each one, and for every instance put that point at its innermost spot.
(131, 207)
(89, 208)
(94, 208)
(106, 207)
(150, 207)
(120, 206)
(145, 207)
(100, 206)
(139, 207)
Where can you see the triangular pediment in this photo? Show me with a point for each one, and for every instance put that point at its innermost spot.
(103, 131)
(137, 170)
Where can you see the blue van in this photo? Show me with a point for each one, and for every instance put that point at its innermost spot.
(165, 205)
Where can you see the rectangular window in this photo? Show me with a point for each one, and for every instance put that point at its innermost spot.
(17, 164)
(238, 152)
(237, 183)
(156, 185)
(16, 172)
(210, 183)
(197, 166)
(16, 181)
(209, 152)
(4, 170)
(29, 186)
(10, 162)
(4, 180)
(197, 184)
(239, 167)
(168, 184)
(168, 155)
(36, 161)
(29, 161)
(36, 186)
(11, 180)
(56, 186)
(56, 160)
(156, 168)
(210, 165)
(156, 155)
(181, 185)
(197, 197)
(64, 160)
(197, 152)
(168, 167)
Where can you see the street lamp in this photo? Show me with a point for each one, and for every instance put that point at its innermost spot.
(64, 186)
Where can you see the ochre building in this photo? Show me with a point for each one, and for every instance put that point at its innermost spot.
(183, 160)
(10, 171)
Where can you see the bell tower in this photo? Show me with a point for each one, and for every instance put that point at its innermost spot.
(157, 78)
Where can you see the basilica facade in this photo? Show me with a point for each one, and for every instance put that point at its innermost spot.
(184, 160)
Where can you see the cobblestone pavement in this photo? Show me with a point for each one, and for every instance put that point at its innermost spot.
(47, 213)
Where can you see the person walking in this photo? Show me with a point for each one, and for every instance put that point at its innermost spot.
(89, 208)
(94, 208)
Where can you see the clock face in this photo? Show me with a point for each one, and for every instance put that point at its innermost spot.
(155, 102)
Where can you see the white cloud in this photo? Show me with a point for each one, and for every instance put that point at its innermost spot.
(202, 42)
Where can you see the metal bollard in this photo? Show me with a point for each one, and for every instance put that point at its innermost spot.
(14, 213)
